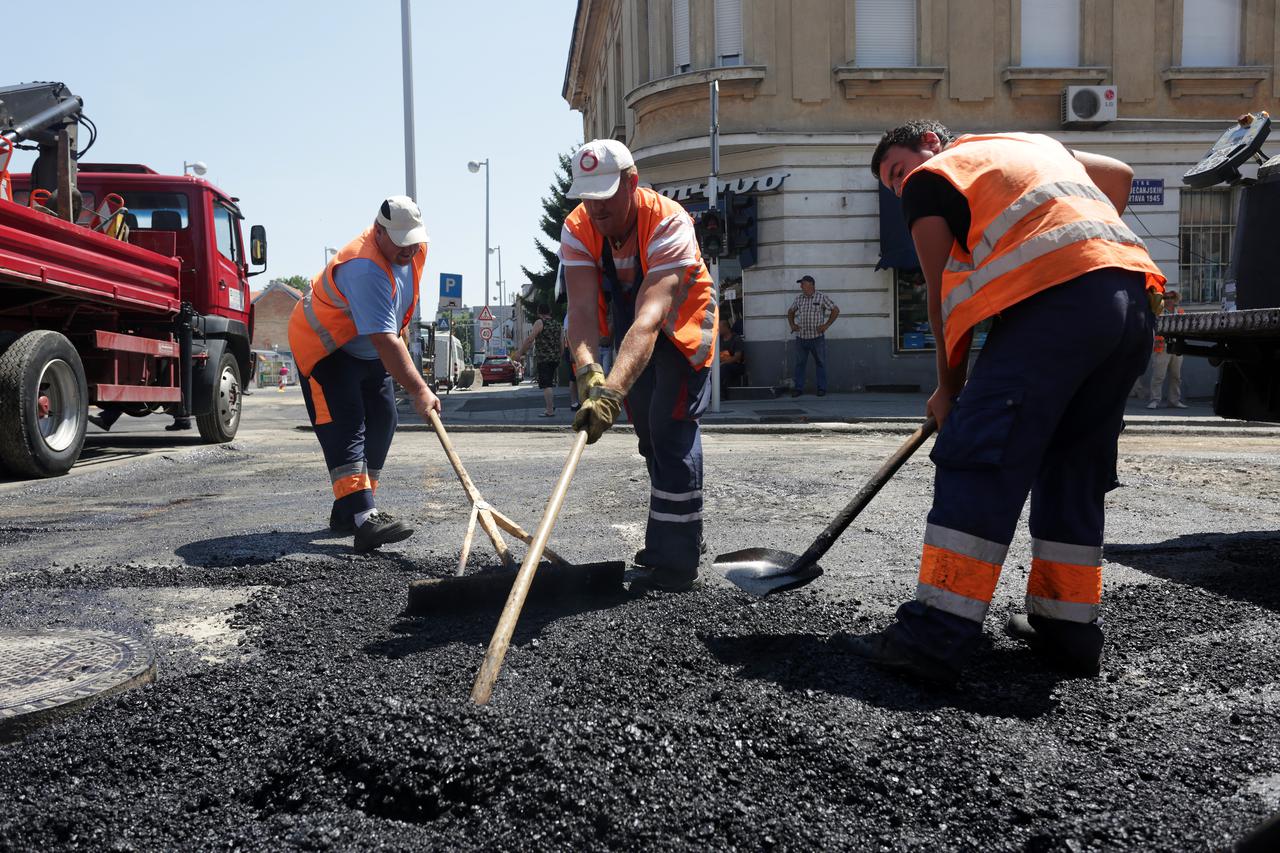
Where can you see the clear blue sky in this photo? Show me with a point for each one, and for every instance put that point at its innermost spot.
(296, 107)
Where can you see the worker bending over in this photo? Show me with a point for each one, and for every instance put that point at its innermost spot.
(630, 254)
(345, 336)
(1017, 227)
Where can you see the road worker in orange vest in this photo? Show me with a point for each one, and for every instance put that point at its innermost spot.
(1017, 227)
(346, 340)
(633, 270)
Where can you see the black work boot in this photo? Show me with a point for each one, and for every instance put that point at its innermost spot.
(885, 650)
(1070, 647)
(340, 522)
(642, 557)
(380, 529)
(662, 579)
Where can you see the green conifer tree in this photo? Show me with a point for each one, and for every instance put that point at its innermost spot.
(555, 208)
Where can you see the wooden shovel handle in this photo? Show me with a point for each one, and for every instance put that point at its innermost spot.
(487, 523)
(841, 522)
(483, 687)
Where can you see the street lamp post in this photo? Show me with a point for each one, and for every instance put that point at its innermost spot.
(502, 285)
(474, 166)
(329, 252)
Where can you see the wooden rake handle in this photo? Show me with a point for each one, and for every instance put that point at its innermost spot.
(483, 687)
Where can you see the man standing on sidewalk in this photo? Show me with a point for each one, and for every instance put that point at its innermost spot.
(810, 315)
(1163, 361)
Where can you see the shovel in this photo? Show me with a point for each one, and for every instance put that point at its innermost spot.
(762, 571)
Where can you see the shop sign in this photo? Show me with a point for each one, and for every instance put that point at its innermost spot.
(763, 183)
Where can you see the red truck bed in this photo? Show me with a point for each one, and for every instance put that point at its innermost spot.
(50, 254)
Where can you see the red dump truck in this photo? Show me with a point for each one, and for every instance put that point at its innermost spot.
(120, 289)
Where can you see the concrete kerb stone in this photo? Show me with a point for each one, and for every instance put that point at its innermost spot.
(891, 426)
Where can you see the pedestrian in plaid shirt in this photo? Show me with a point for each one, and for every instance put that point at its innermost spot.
(810, 316)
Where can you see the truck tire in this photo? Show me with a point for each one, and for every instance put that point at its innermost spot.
(223, 419)
(44, 405)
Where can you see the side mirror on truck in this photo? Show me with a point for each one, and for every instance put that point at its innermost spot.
(258, 245)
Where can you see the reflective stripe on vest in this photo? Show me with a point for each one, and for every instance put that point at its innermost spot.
(1065, 582)
(693, 321)
(1036, 220)
(321, 322)
(959, 571)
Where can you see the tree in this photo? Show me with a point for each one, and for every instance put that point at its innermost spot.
(555, 208)
(299, 283)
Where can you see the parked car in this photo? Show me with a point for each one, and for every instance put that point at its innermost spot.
(500, 368)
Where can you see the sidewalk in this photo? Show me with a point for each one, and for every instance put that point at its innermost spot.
(519, 408)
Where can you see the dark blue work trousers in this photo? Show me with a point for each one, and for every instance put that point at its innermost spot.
(352, 405)
(664, 405)
(1040, 414)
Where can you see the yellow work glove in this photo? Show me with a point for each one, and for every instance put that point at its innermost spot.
(1156, 300)
(588, 376)
(598, 412)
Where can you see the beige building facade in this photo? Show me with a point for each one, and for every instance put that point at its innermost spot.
(806, 88)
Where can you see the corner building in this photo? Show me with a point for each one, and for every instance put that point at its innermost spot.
(808, 86)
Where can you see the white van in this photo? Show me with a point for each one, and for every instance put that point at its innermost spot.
(450, 360)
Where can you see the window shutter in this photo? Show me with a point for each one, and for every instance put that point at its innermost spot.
(1210, 32)
(680, 35)
(1050, 33)
(885, 34)
(728, 32)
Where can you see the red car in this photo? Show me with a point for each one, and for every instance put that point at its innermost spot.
(500, 368)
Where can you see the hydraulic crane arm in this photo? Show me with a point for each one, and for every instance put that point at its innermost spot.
(46, 114)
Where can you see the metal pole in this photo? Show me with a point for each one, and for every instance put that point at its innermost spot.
(410, 164)
(486, 240)
(713, 266)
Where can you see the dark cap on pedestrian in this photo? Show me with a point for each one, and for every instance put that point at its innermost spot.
(802, 279)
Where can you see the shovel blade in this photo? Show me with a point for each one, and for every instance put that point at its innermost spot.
(763, 571)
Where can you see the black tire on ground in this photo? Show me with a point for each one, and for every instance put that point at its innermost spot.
(484, 382)
(42, 439)
(224, 410)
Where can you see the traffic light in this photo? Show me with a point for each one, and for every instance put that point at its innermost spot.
(709, 227)
(740, 227)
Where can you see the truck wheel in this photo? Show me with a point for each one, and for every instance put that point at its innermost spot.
(43, 405)
(224, 411)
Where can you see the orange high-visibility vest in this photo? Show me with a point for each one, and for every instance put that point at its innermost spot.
(692, 322)
(321, 322)
(1036, 220)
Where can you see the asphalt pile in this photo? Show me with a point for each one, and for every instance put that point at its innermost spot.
(705, 721)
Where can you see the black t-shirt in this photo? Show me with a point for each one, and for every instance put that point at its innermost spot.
(930, 194)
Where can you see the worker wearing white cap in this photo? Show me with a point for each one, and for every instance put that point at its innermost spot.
(345, 337)
(633, 270)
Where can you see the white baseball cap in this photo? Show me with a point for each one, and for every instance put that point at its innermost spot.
(401, 217)
(597, 168)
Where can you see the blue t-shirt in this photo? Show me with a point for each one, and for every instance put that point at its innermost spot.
(372, 306)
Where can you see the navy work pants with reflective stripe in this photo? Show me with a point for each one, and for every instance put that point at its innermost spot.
(1041, 413)
(664, 405)
(353, 409)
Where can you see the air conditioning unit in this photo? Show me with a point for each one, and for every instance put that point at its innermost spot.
(1088, 106)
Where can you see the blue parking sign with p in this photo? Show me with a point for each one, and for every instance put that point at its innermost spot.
(450, 290)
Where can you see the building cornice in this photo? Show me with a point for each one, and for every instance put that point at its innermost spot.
(860, 82)
(1241, 80)
(1048, 82)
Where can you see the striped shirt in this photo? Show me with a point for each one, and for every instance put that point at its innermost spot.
(811, 313)
(673, 247)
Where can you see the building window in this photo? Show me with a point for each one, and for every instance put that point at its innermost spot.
(1206, 223)
(913, 333)
(1210, 33)
(728, 32)
(1050, 33)
(680, 35)
(885, 34)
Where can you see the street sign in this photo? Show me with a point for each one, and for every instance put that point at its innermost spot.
(485, 333)
(450, 290)
(1147, 191)
(485, 315)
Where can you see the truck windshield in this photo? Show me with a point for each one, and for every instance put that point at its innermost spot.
(159, 211)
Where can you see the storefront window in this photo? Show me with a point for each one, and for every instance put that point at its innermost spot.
(912, 311)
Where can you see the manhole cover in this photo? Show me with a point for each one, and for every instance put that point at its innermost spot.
(43, 673)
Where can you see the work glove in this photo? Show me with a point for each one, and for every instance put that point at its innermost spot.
(588, 376)
(598, 412)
